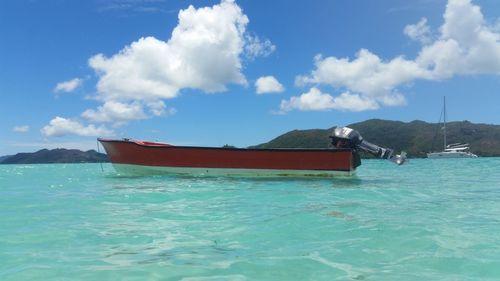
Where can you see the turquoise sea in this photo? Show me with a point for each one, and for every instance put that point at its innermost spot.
(427, 220)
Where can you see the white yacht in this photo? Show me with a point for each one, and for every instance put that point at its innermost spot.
(456, 150)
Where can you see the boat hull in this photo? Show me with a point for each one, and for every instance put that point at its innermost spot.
(145, 158)
(439, 155)
(141, 170)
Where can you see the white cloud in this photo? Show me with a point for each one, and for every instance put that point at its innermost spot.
(120, 113)
(268, 84)
(21, 129)
(112, 111)
(68, 86)
(315, 100)
(254, 47)
(312, 100)
(419, 32)
(466, 45)
(59, 127)
(158, 108)
(367, 75)
(354, 102)
(204, 52)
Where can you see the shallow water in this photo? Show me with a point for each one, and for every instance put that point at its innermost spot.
(428, 220)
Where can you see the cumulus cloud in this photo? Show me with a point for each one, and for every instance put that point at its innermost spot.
(120, 113)
(366, 75)
(21, 129)
(419, 32)
(254, 47)
(158, 108)
(60, 126)
(204, 52)
(315, 100)
(68, 86)
(113, 111)
(268, 84)
(466, 45)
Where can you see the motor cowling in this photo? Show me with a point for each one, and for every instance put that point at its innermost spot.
(345, 137)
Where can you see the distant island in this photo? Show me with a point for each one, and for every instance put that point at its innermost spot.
(4, 157)
(59, 155)
(416, 138)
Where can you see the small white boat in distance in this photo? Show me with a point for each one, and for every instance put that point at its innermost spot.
(456, 150)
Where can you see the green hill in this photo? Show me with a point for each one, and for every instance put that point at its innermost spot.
(416, 137)
(314, 138)
(59, 155)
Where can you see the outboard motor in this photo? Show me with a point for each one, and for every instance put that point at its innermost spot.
(345, 137)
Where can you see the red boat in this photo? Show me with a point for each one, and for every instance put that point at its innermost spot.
(146, 158)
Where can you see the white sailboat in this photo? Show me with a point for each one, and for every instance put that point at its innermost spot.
(456, 150)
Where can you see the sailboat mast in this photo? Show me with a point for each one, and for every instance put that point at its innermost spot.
(444, 123)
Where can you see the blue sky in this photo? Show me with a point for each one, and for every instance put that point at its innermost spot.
(241, 73)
